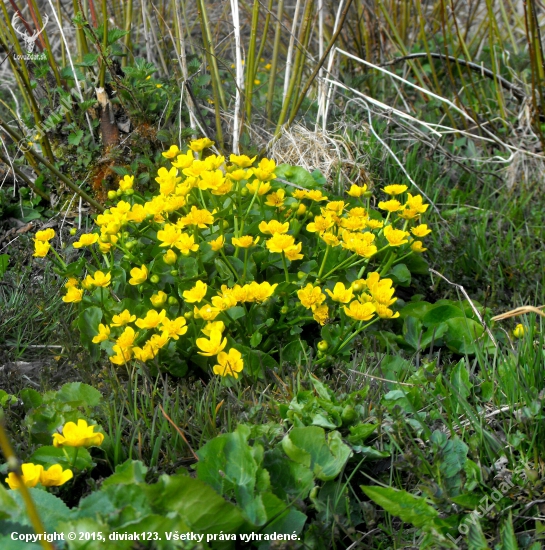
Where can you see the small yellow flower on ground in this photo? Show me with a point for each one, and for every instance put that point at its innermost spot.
(198, 145)
(170, 257)
(340, 293)
(126, 183)
(311, 296)
(395, 237)
(245, 241)
(213, 325)
(416, 246)
(280, 243)
(360, 312)
(103, 334)
(518, 331)
(212, 346)
(208, 313)
(186, 244)
(274, 226)
(242, 161)
(122, 318)
(276, 198)
(41, 249)
(262, 188)
(151, 320)
(421, 230)
(390, 206)
(87, 239)
(172, 152)
(175, 328)
(100, 279)
(357, 191)
(196, 294)
(77, 435)
(229, 364)
(45, 235)
(159, 299)
(321, 314)
(30, 478)
(217, 244)
(127, 338)
(73, 295)
(138, 275)
(395, 189)
(55, 476)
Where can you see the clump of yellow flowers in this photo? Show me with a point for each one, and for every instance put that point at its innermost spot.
(226, 261)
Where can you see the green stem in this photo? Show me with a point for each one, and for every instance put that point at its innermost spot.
(323, 261)
(58, 257)
(285, 267)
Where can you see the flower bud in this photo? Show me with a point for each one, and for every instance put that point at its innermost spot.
(112, 195)
(170, 257)
(301, 211)
(73, 231)
(154, 279)
(172, 301)
(188, 315)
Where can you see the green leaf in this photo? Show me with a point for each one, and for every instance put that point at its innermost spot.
(459, 378)
(75, 137)
(463, 334)
(196, 502)
(411, 509)
(131, 471)
(297, 175)
(48, 455)
(295, 351)
(308, 446)
(236, 312)
(475, 538)
(256, 338)
(400, 275)
(88, 322)
(440, 314)
(289, 480)
(360, 432)
(258, 361)
(412, 328)
(79, 394)
(52, 509)
(31, 398)
(507, 537)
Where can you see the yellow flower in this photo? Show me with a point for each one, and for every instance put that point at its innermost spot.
(41, 248)
(45, 235)
(211, 180)
(315, 195)
(213, 325)
(390, 206)
(356, 191)
(213, 162)
(72, 282)
(196, 294)
(259, 292)
(127, 338)
(80, 435)
(73, 295)
(274, 226)
(276, 198)
(395, 189)
(415, 203)
(167, 180)
(293, 253)
(186, 244)
(208, 313)
(170, 257)
(280, 243)
(201, 218)
(334, 206)
(245, 241)
(55, 476)
(374, 224)
(229, 363)
(421, 230)
(122, 319)
(87, 239)
(144, 354)
(175, 328)
(330, 239)
(340, 293)
(321, 314)
(30, 478)
(151, 320)
(99, 279)
(267, 67)
(138, 275)
(217, 244)
(159, 299)
(357, 212)
(103, 334)
(184, 161)
(259, 187)
(518, 331)
(320, 224)
(416, 246)
(384, 312)
(360, 312)
(158, 341)
(265, 170)
(126, 183)
(172, 152)
(169, 236)
(395, 237)
(239, 175)
(242, 161)
(311, 296)
(300, 194)
(121, 356)
(212, 346)
(198, 145)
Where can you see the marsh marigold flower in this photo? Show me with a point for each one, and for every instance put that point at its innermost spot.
(390, 206)
(276, 198)
(172, 152)
(311, 296)
(196, 294)
(217, 244)
(518, 331)
(360, 312)
(55, 476)
(280, 243)
(395, 189)
(421, 230)
(30, 478)
(229, 364)
(356, 191)
(122, 318)
(340, 293)
(293, 253)
(213, 345)
(126, 183)
(242, 161)
(78, 435)
(169, 236)
(274, 226)
(395, 237)
(87, 239)
(159, 299)
(99, 279)
(416, 246)
(138, 275)
(151, 320)
(321, 314)
(245, 241)
(265, 170)
(208, 313)
(45, 235)
(198, 145)
(174, 328)
(41, 249)
(261, 188)
(73, 295)
(103, 334)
